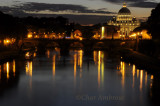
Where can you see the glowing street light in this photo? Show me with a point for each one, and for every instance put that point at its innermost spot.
(7, 41)
(29, 36)
(102, 35)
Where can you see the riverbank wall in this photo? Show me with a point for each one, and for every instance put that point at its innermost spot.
(141, 60)
(7, 55)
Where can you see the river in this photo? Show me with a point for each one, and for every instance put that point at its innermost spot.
(98, 79)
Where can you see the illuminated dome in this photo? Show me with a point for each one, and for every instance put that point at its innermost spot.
(125, 22)
(124, 10)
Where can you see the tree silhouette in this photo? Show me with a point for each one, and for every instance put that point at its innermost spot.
(154, 22)
(11, 26)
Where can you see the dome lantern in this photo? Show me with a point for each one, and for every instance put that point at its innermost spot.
(124, 10)
(124, 4)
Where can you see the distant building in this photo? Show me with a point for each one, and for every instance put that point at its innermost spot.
(110, 32)
(77, 34)
(141, 33)
(107, 32)
(125, 21)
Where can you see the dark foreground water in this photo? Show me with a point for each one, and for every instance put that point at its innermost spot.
(100, 79)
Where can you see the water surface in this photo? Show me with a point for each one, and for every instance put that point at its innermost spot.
(51, 79)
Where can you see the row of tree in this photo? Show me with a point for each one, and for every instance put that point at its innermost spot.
(11, 26)
(18, 27)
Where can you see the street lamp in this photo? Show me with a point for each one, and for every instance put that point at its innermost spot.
(102, 34)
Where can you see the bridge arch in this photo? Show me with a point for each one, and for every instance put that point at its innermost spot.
(28, 44)
(76, 45)
(53, 44)
(99, 45)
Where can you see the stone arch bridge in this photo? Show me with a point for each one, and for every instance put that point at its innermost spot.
(85, 43)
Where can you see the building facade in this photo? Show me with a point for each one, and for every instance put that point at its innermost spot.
(125, 21)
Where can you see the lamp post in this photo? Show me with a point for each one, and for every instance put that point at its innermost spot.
(102, 34)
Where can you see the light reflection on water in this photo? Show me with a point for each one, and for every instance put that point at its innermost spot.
(60, 82)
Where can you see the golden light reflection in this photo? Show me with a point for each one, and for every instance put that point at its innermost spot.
(34, 55)
(29, 72)
(99, 60)
(151, 83)
(75, 67)
(152, 77)
(4, 67)
(80, 58)
(7, 67)
(80, 61)
(54, 65)
(14, 68)
(48, 53)
(58, 51)
(102, 68)
(141, 79)
(122, 73)
(99, 68)
(134, 69)
(29, 68)
(146, 78)
(95, 56)
(137, 73)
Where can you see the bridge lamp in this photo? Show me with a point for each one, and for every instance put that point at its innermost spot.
(29, 36)
(81, 38)
(7, 41)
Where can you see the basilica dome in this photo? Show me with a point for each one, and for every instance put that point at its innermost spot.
(124, 10)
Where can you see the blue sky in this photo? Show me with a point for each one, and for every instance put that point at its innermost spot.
(94, 11)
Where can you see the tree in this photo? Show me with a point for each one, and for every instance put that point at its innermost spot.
(154, 23)
(11, 27)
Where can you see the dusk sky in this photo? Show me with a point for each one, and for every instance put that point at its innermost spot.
(81, 11)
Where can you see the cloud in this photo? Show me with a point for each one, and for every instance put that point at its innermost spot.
(37, 8)
(75, 13)
(136, 3)
(144, 4)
